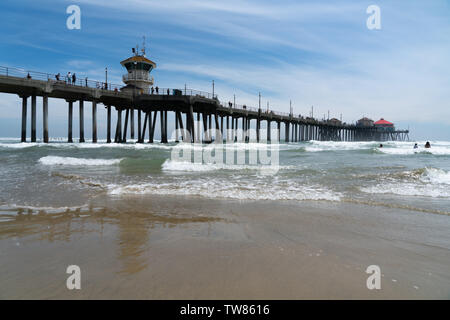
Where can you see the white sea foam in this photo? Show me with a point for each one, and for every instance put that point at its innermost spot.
(69, 161)
(406, 148)
(389, 147)
(20, 145)
(316, 146)
(431, 183)
(409, 189)
(170, 165)
(229, 190)
(406, 151)
(436, 176)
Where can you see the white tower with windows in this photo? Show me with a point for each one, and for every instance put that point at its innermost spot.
(138, 78)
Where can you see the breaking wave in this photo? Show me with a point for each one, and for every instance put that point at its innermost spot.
(170, 165)
(408, 189)
(69, 161)
(426, 182)
(227, 189)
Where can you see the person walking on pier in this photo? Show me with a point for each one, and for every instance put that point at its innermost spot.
(69, 77)
(153, 90)
(157, 90)
(57, 76)
(74, 79)
(168, 92)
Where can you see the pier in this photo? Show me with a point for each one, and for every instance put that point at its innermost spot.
(186, 104)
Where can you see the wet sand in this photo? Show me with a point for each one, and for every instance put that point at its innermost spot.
(164, 247)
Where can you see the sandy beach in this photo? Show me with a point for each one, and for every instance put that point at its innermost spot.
(163, 247)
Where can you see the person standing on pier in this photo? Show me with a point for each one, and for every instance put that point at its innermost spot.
(157, 90)
(74, 79)
(153, 90)
(69, 77)
(57, 76)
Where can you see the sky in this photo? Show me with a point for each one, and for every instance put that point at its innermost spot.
(314, 53)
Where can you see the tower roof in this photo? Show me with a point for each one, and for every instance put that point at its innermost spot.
(138, 59)
(382, 121)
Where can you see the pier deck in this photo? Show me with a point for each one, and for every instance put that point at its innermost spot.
(181, 101)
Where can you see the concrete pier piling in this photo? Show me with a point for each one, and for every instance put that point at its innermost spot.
(177, 129)
(199, 130)
(221, 126)
(70, 121)
(217, 132)
(132, 123)
(144, 129)
(279, 131)
(286, 131)
(108, 124)
(228, 128)
(81, 121)
(118, 137)
(24, 119)
(33, 118)
(191, 118)
(94, 121)
(140, 140)
(125, 126)
(152, 129)
(45, 117)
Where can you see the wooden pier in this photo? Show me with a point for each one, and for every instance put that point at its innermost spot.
(185, 103)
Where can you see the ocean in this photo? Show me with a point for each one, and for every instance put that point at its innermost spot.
(58, 175)
(231, 221)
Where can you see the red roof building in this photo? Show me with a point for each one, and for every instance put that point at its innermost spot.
(383, 123)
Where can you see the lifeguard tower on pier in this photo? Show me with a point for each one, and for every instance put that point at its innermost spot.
(138, 79)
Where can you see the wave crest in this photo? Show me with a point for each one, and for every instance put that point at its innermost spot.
(69, 161)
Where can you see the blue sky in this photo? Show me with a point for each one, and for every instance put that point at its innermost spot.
(314, 52)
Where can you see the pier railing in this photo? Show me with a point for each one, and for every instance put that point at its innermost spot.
(154, 90)
(94, 84)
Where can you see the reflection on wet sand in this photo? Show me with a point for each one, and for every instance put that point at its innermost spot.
(133, 228)
(177, 247)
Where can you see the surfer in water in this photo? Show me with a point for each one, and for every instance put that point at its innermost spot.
(427, 145)
(416, 146)
(381, 145)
